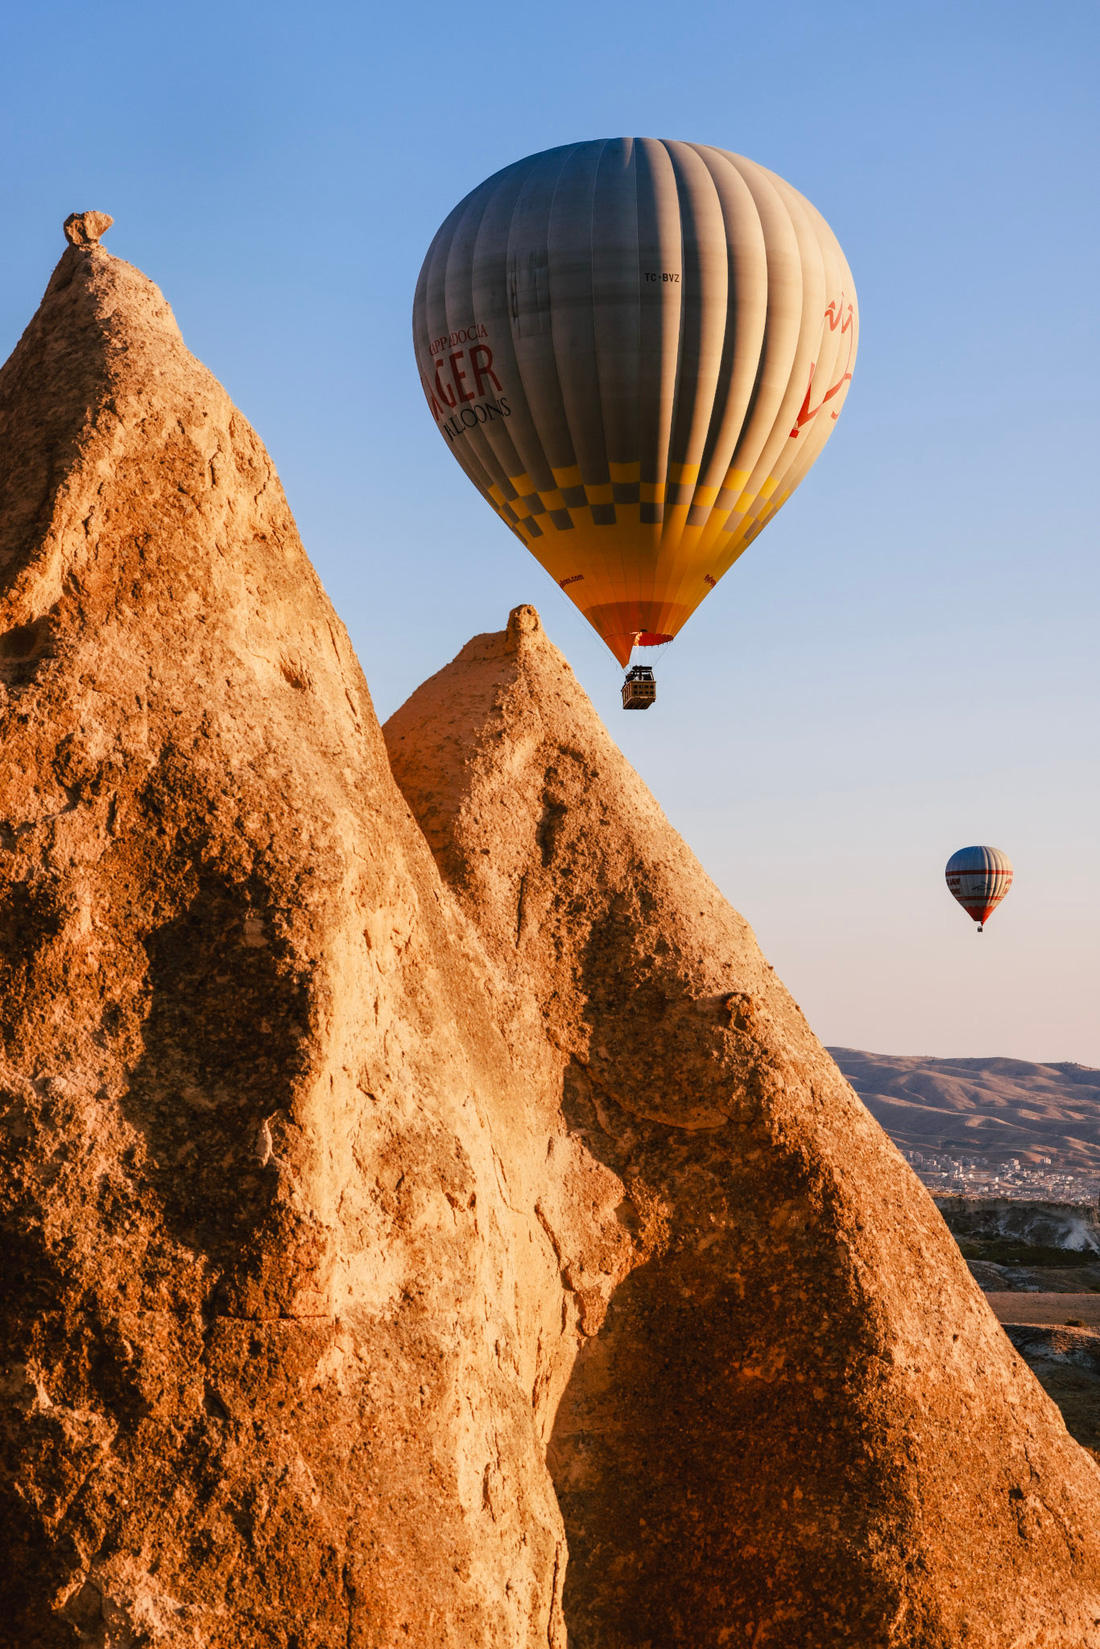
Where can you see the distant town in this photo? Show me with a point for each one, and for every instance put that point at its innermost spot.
(1038, 1181)
(987, 1127)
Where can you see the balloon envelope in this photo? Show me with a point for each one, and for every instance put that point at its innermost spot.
(635, 349)
(979, 877)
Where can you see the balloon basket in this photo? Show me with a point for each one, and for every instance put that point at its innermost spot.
(639, 688)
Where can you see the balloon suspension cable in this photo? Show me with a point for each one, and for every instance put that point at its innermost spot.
(649, 647)
(639, 684)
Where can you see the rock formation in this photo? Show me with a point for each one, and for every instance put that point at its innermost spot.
(268, 1323)
(1058, 1229)
(792, 1418)
(1066, 1362)
(342, 1186)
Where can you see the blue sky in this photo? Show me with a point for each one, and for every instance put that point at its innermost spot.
(904, 662)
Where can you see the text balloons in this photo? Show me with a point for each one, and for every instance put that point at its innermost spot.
(635, 349)
(979, 877)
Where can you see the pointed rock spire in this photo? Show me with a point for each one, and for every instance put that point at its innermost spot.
(269, 1340)
(793, 1418)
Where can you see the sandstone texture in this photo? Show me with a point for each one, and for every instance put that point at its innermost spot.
(426, 1219)
(86, 228)
(268, 1328)
(792, 1419)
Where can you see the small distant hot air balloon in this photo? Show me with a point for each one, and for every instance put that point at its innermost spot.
(979, 877)
(635, 349)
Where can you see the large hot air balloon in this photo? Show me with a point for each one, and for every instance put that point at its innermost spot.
(635, 349)
(979, 877)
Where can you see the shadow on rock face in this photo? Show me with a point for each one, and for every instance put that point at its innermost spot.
(701, 1355)
(675, 1525)
(224, 1043)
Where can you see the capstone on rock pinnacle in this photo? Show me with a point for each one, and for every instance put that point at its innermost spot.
(86, 228)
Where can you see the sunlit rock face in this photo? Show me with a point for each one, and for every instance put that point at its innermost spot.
(376, 1161)
(792, 1418)
(269, 1332)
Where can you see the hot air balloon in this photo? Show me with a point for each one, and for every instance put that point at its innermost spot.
(635, 349)
(979, 877)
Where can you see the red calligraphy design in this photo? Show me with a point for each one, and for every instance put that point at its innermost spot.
(836, 314)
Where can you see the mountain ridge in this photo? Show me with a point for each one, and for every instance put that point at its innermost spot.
(987, 1105)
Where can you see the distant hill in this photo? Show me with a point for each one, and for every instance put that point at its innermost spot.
(985, 1106)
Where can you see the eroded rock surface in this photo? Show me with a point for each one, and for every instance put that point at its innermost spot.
(793, 1419)
(338, 1193)
(272, 1314)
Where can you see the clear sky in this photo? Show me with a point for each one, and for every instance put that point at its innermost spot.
(905, 661)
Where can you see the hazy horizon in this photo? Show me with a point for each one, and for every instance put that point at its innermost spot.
(903, 663)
